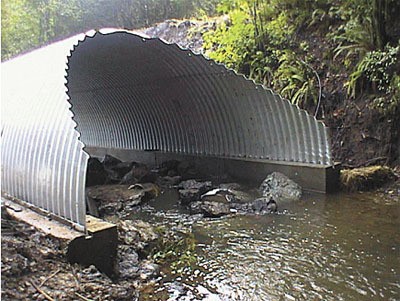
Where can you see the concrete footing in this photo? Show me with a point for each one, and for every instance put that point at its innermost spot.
(312, 177)
(98, 247)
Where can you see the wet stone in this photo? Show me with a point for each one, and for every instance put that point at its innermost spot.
(169, 181)
(136, 233)
(96, 174)
(128, 262)
(149, 270)
(210, 208)
(111, 199)
(191, 190)
(264, 205)
(138, 174)
(110, 161)
(186, 196)
(279, 186)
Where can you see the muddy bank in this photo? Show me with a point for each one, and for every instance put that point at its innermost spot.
(34, 267)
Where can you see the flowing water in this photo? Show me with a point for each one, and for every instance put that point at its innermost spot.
(339, 247)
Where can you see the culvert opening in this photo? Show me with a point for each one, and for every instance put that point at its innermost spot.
(128, 97)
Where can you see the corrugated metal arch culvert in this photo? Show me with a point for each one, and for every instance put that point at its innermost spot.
(132, 92)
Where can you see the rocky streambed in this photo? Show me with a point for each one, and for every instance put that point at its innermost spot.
(34, 265)
(188, 236)
(118, 188)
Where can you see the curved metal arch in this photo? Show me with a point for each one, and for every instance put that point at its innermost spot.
(122, 90)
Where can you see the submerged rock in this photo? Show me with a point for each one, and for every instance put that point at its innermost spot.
(128, 262)
(278, 186)
(136, 233)
(210, 208)
(191, 190)
(264, 205)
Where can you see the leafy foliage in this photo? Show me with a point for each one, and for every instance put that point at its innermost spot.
(27, 24)
(231, 44)
(296, 80)
(376, 67)
(259, 43)
(19, 27)
(261, 39)
(176, 250)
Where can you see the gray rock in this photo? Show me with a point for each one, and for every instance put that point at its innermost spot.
(232, 186)
(96, 174)
(193, 184)
(136, 233)
(191, 190)
(138, 174)
(169, 181)
(110, 161)
(169, 168)
(188, 170)
(123, 168)
(264, 205)
(186, 196)
(128, 263)
(149, 270)
(278, 186)
(210, 208)
(110, 199)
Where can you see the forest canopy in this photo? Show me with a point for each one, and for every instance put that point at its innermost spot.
(27, 24)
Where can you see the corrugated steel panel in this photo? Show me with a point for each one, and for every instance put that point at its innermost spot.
(42, 161)
(136, 93)
(146, 94)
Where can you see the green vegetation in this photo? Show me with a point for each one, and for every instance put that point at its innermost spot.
(175, 250)
(338, 59)
(266, 40)
(269, 40)
(27, 24)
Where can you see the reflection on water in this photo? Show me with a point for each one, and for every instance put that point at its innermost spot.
(344, 247)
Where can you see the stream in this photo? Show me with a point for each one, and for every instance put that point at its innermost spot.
(335, 247)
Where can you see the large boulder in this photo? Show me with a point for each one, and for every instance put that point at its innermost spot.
(191, 190)
(119, 199)
(278, 186)
(110, 161)
(210, 208)
(140, 173)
